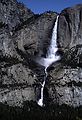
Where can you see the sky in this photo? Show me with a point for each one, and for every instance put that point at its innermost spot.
(40, 6)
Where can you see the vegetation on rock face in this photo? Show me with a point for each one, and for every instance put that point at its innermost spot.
(22, 78)
(72, 57)
(31, 111)
(2, 24)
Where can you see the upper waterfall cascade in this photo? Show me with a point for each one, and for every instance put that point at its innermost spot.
(50, 57)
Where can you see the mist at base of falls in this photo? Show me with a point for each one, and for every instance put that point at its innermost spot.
(51, 57)
(46, 62)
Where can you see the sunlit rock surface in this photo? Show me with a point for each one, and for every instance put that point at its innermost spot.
(66, 77)
(23, 37)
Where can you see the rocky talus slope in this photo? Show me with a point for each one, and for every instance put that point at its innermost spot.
(25, 35)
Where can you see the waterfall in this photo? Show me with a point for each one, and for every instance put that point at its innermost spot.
(53, 45)
(50, 57)
(40, 102)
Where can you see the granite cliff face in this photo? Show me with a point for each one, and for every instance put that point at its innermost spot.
(25, 35)
(22, 35)
(66, 78)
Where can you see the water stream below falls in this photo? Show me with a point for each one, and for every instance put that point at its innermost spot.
(50, 58)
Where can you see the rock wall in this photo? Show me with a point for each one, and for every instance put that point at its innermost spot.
(24, 36)
(66, 78)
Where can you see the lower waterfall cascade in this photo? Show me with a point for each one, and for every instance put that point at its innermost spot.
(40, 102)
(51, 57)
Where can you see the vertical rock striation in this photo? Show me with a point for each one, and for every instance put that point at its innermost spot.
(66, 78)
(25, 35)
(22, 35)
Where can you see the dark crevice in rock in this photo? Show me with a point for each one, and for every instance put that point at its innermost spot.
(27, 22)
(80, 15)
(73, 83)
(15, 85)
(27, 47)
(8, 61)
(68, 22)
(2, 24)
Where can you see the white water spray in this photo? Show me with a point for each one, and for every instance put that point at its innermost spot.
(53, 46)
(40, 102)
(50, 58)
